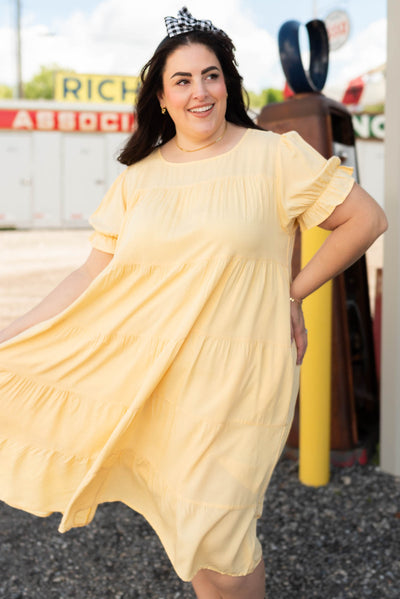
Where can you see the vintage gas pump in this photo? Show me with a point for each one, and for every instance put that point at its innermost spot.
(327, 126)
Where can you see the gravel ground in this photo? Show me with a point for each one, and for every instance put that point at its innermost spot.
(334, 542)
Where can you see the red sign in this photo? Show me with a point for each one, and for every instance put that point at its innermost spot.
(354, 90)
(338, 27)
(66, 120)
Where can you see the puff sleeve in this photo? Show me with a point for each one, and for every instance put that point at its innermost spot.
(108, 216)
(309, 186)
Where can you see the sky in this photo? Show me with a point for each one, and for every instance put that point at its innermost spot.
(118, 36)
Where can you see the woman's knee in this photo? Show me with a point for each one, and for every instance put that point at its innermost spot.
(231, 585)
(239, 586)
(221, 584)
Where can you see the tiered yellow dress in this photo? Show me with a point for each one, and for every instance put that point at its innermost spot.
(169, 384)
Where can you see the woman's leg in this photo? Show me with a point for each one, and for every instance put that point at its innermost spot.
(212, 585)
(203, 588)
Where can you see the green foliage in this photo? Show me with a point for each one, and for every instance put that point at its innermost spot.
(42, 84)
(267, 96)
(273, 95)
(374, 108)
(254, 100)
(5, 91)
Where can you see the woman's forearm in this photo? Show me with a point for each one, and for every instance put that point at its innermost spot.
(57, 300)
(335, 255)
(355, 226)
(62, 296)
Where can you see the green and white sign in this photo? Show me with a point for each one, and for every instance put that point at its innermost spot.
(369, 126)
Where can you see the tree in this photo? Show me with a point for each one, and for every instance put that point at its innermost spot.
(273, 95)
(254, 100)
(5, 91)
(42, 84)
(267, 96)
(375, 108)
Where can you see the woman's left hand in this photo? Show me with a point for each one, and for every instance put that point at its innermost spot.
(298, 330)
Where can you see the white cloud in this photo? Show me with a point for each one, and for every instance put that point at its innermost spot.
(118, 38)
(360, 54)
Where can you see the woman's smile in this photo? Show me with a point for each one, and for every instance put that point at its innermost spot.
(202, 110)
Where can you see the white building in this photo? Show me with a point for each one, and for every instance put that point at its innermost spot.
(57, 160)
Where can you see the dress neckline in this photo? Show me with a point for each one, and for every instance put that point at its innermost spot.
(232, 149)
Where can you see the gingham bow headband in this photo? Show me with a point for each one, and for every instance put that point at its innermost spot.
(184, 22)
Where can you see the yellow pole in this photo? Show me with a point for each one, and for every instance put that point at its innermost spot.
(315, 383)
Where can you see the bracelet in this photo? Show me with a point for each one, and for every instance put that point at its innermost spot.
(296, 301)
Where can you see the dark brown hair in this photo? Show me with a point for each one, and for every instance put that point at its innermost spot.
(154, 129)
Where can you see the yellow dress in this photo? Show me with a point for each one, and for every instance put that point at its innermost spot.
(169, 384)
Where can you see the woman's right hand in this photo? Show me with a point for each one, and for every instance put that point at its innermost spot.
(298, 330)
(62, 296)
(4, 336)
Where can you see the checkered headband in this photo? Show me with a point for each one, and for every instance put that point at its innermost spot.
(184, 23)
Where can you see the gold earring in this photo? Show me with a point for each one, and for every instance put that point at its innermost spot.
(163, 110)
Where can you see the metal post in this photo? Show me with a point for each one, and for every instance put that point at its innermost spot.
(390, 371)
(20, 91)
(315, 383)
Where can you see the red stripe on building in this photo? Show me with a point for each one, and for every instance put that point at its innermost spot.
(66, 120)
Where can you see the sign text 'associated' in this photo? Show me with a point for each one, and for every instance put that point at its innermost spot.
(66, 120)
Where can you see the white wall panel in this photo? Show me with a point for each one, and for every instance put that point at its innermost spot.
(46, 186)
(114, 144)
(371, 162)
(16, 179)
(83, 181)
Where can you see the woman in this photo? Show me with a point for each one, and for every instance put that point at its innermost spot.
(162, 372)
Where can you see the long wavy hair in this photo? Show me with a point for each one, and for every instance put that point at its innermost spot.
(154, 129)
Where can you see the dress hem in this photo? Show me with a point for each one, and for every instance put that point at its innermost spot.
(224, 572)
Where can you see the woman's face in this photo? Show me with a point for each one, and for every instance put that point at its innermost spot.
(194, 92)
